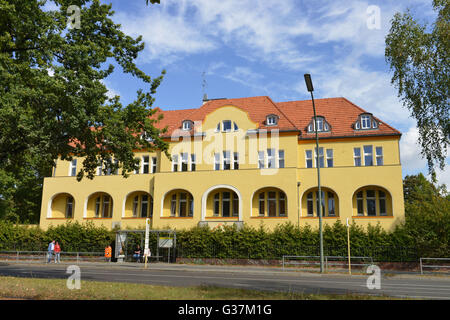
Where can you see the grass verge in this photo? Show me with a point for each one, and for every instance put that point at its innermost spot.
(56, 289)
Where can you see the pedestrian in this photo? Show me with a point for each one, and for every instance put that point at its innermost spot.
(51, 248)
(137, 253)
(108, 253)
(57, 252)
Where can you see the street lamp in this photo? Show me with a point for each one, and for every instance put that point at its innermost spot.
(309, 87)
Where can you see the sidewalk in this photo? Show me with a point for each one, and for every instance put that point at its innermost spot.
(230, 269)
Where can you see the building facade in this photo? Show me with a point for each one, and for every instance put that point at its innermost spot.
(247, 160)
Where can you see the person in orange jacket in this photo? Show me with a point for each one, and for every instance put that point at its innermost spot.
(57, 252)
(108, 253)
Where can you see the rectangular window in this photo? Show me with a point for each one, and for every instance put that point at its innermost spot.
(116, 162)
(99, 169)
(368, 155)
(357, 156)
(310, 204)
(144, 206)
(271, 158)
(184, 161)
(379, 155)
(137, 171)
(382, 202)
(261, 159)
(235, 160)
(365, 122)
(173, 206)
(331, 204)
(145, 164)
(360, 203)
(191, 206)
(226, 204)
(69, 207)
(97, 207)
(154, 162)
(309, 161)
(226, 160)
(322, 194)
(135, 206)
(262, 204)
(105, 209)
(193, 163)
(272, 204)
(226, 125)
(183, 204)
(321, 157)
(280, 158)
(371, 203)
(108, 169)
(73, 167)
(174, 163)
(282, 203)
(216, 161)
(216, 204)
(235, 205)
(329, 158)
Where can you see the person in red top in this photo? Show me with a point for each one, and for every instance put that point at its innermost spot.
(57, 252)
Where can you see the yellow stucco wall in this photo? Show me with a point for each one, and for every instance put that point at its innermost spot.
(344, 179)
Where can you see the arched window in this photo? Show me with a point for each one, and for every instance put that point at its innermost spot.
(178, 203)
(372, 201)
(271, 120)
(139, 204)
(227, 126)
(61, 206)
(270, 202)
(366, 121)
(225, 203)
(99, 205)
(330, 202)
(187, 125)
(322, 125)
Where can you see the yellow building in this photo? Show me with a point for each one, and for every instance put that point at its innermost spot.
(247, 160)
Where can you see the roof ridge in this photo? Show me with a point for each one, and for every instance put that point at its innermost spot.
(282, 112)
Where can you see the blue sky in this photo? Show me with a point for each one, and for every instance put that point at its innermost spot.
(258, 47)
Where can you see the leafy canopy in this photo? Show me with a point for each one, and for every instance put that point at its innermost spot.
(53, 100)
(419, 57)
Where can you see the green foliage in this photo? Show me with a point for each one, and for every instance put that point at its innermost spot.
(54, 103)
(420, 63)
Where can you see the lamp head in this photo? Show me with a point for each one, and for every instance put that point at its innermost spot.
(308, 82)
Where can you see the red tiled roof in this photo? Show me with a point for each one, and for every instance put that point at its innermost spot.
(340, 113)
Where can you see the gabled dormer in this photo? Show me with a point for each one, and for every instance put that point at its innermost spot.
(187, 125)
(365, 121)
(272, 120)
(322, 125)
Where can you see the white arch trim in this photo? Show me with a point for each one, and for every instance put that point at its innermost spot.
(225, 186)
(86, 200)
(165, 194)
(50, 201)
(126, 197)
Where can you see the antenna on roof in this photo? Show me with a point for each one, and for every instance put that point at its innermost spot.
(205, 96)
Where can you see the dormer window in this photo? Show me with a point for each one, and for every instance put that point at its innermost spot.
(227, 126)
(322, 125)
(187, 125)
(365, 122)
(271, 120)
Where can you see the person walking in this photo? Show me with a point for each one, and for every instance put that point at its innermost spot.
(108, 253)
(51, 248)
(57, 252)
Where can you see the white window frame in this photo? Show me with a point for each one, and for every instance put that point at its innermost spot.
(187, 125)
(366, 122)
(368, 154)
(73, 168)
(184, 165)
(175, 163)
(226, 160)
(310, 158)
(223, 125)
(382, 198)
(193, 164)
(154, 164)
(145, 164)
(271, 120)
(235, 160)
(217, 162)
(281, 162)
(357, 157)
(261, 160)
(329, 157)
(321, 156)
(379, 156)
(271, 164)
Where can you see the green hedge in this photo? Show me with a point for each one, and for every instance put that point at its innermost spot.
(402, 244)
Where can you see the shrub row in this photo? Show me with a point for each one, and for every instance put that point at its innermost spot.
(402, 244)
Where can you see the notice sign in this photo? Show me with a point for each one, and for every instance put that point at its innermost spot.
(165, 242)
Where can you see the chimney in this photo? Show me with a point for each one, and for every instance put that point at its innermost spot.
(205, 98)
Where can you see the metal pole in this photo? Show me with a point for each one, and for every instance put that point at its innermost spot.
(298, 204)
(318, 183)
(348, 245)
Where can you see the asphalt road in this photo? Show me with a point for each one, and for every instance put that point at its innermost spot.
(257, 278)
